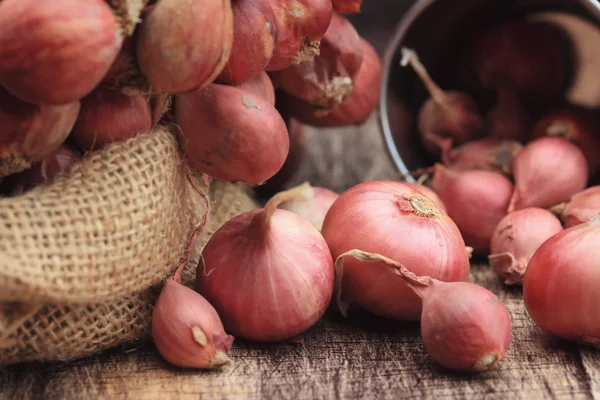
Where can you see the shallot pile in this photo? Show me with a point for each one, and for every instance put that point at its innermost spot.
(244, 75)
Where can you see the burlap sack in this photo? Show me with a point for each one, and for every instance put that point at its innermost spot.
(82, 258)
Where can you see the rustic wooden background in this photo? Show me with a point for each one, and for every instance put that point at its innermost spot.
(355, 358)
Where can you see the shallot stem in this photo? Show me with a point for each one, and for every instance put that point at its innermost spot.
(416, 283)
(301, 192)
(195, 234)
(410, 56)
(558, 209)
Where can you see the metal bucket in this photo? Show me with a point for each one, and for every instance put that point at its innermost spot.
(437, 30)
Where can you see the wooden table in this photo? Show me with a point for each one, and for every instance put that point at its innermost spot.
(361, 357)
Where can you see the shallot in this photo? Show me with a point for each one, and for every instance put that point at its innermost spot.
(29, 133)
(547, 171)
(260, 86)
(401, 223)
(489, 154)
(357, 108)
(517, 237)
(300, 25)
(315, 207)
(577, 127)
(108, 116)
(327, 80)
(56, 52)
(268, 272)
(508, 119)
(560, 287)
(464, 327)
(476, 201)
(582, 207)
(254, 38)
(184, 45)
(231, 134)
(446, 113)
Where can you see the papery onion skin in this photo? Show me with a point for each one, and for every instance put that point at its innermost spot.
(260, 86)
(300, 25)
(183, 45)
(327, 80)
(108, 116)
(231, 134)
(455, 326)
(547, 171)
(378, 217)
(560, 288)
(314, 209)
(187, 330)
(267, 282)
(582, 207)
(254, 38)
(56, 52)
(517, 237)
(476, 201)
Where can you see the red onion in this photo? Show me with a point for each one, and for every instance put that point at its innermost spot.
(268, 272)
(429, 193)
(560, 288)
(476, 201)
(517, 237)
(445, 114)
(547, 171)
(464, 327)
(56, 162)
(315, 207)
(582, 207)
(578, 127)
(508, 119)
(489, 154)
(401, 223)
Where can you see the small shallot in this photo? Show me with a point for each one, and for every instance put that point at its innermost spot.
(560, 287)
(464, 327)
(300, 25)
(517, 237)
(187, 330)
(108, 116)
(327, 80)
(547, 171)
(183, 45)
(578, 127)
(357, 108)
(508, 119)
(476, 201)
(260, 86)
(489, 154)
(392, 219)
(231, 134)
(315, 207)
(254, 37)
(450, 114)
(268, 272)
(582, 207)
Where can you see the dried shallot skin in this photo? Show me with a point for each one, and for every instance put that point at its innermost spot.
(369, 215)
(187, 330)
(517, 237)
(548, 171)
(56, 52)
(465, 327)
(561, 281)
(582, 207)
(285, 270)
